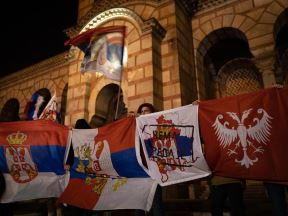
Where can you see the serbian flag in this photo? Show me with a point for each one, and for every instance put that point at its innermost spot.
(245, 136)
(32, 159)
(103, 48)
(105, 174)
(171, 145)
(32, 107)
(50, 111)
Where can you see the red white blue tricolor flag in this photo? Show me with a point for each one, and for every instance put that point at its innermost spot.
(103, 48)
(32, 159)
(105, 173)
(171, 144)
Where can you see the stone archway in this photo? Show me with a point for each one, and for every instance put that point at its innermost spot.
(216, 49)
(10, 110)
(143, 63)
(14, 94)
(106, 103)
(281, 47)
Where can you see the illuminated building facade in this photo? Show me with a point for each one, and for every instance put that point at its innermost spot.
(177, 51)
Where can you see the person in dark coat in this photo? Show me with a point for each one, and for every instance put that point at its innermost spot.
(9, 113)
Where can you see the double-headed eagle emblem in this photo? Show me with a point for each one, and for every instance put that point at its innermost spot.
(246, 136)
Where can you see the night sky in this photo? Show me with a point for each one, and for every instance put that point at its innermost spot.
(32, 31)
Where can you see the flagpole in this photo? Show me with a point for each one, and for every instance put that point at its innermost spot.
(120, 82)
(85, 37)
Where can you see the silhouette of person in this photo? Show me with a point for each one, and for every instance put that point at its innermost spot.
(9, 113)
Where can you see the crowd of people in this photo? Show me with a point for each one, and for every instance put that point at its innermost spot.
(223, 190)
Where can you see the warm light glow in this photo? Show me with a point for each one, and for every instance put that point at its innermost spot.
(125, 56)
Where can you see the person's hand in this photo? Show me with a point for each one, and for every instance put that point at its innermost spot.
(66, 167)
(132, 114)
(196, 102)
(277, 85)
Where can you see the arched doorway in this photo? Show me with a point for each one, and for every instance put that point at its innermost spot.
(106, 103)
(215, 51)
(10, 111)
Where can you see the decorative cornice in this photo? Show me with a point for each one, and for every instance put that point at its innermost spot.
(207, 4)
(43, 66)
(145, 26)
(153, 25)
(190, 6)
(148, 26)
(101, 6)
(112, 14)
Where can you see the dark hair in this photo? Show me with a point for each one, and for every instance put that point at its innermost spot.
(2, 184)
(150, 106)
(10, 111)
(96, 121)
(82, 124)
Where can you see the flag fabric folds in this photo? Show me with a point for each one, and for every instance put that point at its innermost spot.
(50, 111)
(105, 173)
(103, 48)
(171, 144)
(32, 159)
(32, 107)
(245, 135)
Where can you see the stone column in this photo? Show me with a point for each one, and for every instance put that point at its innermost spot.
(154, 33)
(77, 94)
(265, 62)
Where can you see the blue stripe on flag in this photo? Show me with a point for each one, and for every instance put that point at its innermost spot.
(49, 158)
(3, 165)
(184, 146)
(46, 158)
(126, 164)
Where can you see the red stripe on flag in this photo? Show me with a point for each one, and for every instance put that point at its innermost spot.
(115, 40)
(38, 132)
(79, 194)
(86, 36)
(120, 134)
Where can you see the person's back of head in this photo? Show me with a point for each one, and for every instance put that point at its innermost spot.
(145, 108)
(2, 184)
(82, 124)
(97, 121)
(10, 111)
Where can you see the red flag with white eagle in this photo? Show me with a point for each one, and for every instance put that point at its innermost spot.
(245, 135)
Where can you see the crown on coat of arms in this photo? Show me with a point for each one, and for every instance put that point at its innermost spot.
(16, 138)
